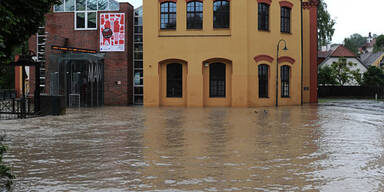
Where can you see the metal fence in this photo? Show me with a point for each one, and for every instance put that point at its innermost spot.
(351, 91)
(15, 108)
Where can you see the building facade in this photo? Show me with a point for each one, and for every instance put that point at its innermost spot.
(224, 52)
(87, 50)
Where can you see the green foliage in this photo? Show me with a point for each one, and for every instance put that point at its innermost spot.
(343, 72)
(327, 76)
(354, 42)
(7, 77)
(339, 73)
(6, 176)
(379, 46)
(374, 77)
(326, 25)
(19, 20)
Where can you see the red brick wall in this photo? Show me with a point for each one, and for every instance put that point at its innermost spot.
(117, 65)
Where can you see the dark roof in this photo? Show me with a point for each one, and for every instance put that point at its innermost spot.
(370, 58)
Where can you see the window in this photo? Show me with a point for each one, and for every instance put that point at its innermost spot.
(217, 80)
(168, 15)
(263, 80)
(285, 19)
(285, 73)
(263, 17)
(86, 14)
(65, 6)
(195, 15)
(221, 14)
(175, 80)
(86, 11)
(102, 5)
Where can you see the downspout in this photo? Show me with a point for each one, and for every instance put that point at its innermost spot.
(302, 57)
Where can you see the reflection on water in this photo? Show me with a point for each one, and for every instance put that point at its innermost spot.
(336, 146)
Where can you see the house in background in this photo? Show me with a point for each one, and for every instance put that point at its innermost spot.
(329, 56)
(368, 47)
(373, 59)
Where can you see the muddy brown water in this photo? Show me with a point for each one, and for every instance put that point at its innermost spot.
(335, 146)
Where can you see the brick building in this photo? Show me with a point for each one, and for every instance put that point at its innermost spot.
(90, 43)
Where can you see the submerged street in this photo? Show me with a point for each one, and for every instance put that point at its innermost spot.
(337, 145)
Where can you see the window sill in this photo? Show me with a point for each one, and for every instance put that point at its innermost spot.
(195, 29)
(286, 33)
(168, 29)
(264, 98)
(288, 97)
(264, 30)
(221, 29)
(86, 29)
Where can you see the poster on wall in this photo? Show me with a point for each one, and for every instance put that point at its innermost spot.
(112, 32)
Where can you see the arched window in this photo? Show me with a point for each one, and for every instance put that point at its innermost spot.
(285, 76)
(175, 80)
(168, 15)
(285, 19)
(194, 15)
(263, 80)
(221, 14)
(217, 80)
(263, 18)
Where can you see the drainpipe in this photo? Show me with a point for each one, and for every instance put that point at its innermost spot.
(302, 52)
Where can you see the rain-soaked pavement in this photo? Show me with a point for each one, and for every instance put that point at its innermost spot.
(336, 146)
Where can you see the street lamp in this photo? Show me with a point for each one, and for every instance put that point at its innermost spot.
(277, 68)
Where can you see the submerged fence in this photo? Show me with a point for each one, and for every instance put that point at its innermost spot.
(351, 91)
(15, 108)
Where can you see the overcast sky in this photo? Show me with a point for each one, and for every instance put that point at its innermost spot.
(356, 16)
(352, 16)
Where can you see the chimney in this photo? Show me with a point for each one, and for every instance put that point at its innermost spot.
(324, 48)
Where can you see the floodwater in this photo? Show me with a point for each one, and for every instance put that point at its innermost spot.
(335, 146)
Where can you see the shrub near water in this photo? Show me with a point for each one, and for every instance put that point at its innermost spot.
(5, 172)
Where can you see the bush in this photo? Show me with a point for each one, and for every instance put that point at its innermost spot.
(6, 176)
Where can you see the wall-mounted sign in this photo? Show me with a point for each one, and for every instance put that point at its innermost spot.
(112, 32)
(80, 50)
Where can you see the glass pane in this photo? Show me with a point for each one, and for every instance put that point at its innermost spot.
(92, 20)
(174, 80)
(92, 5)
(80, 5)
(114, 6)
(59, 8)
(217, 80)
(69, 5)
(80, 20)
(103, 5)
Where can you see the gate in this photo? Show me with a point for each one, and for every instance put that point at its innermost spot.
(13, 107)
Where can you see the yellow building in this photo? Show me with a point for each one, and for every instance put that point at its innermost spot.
(200, 53)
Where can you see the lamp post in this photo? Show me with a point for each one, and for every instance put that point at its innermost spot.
(277, 68)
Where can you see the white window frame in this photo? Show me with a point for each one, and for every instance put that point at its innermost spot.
(64, 11)
(85, 16)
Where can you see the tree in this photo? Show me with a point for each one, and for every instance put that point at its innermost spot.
(325, 25)
(19, 20)
(379, 46)
(374, 77)
(354, 42)
(327, 76)
(344, 74)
